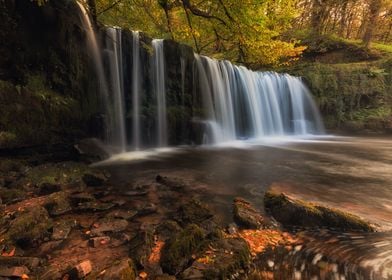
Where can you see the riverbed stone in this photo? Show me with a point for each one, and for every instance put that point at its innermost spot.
(245, 215)
(294, 212)
(171, 182)
(107, 226)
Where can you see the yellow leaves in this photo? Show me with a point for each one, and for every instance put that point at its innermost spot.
(252, 27)
(259, 240)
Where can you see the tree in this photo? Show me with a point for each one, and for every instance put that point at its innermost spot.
(247, 31)
(374, 11)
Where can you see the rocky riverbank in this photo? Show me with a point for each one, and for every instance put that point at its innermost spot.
(66, 220)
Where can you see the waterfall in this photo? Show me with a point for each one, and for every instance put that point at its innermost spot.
(229, 102)
(136, 133)
(241, 103)
(160, 91)
(117, 123)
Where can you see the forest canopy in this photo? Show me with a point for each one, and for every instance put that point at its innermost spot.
(252, 32)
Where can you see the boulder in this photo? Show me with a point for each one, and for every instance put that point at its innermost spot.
(94, 179)
(225, 259)
(193, 212)
(58, 204)
(30, 226)
(245, 215)
(12, 195)
(141, 245)
(179, 249)
(291, 212)
(92, 150)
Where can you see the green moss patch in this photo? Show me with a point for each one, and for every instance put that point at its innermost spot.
(291, 212)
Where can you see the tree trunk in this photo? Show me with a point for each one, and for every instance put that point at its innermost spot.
(374, 10)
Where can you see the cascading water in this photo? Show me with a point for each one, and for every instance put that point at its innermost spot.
(237, 103)
(136, 135)
(160, 91)
(242, 104)
(117, 123)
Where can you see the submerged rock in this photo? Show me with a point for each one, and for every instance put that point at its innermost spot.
(172, 183)
(292, 212)
(245, 215)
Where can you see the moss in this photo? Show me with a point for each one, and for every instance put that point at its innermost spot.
(178, 251)
(351, 93)
(30, 226)
(13, 195)
(11, 164)
(232, 255)
(35, 113)
(58, 203)
(56, 173)
(291, 212)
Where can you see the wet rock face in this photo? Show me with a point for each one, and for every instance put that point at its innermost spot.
(291, 212)
(245, 215)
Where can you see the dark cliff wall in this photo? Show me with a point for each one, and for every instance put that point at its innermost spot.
(49, 92)
(47, 83)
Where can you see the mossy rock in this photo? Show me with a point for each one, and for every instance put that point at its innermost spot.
(58, 203)
(245, 215)
(120, 270)
(9, 164)
(178, 250)
(11, 195)
(291, 212)
(64, 174)
(30, 227)
(231, 256)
